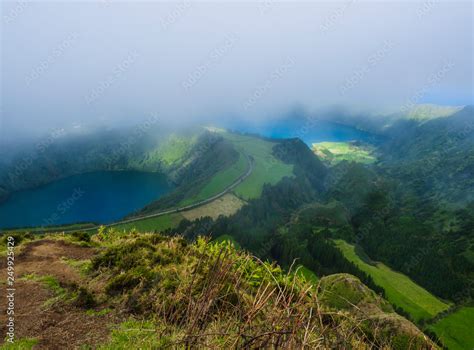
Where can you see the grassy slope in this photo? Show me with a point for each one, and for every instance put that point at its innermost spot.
(158, 223)
(239, 284)
(220, 181)
(175, 149)
(267, 168)
(399, 289)
(455, 330)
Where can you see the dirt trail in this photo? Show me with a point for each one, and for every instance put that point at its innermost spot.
(61, 326)
(45, 257)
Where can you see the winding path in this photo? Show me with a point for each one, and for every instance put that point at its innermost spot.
(177, 210)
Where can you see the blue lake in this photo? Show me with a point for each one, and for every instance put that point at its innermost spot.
(100, 197)
(310, 131)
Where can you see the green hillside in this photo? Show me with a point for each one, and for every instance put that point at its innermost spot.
(399, 289)
(424, 112)
(455, 330)
(267, 168)
(220, 181)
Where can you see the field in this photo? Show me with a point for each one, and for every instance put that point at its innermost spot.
(267, 168)
(226, 205)
(158, 223)
(220, 181)
(399, 289)
(335, 152)
(455, 330)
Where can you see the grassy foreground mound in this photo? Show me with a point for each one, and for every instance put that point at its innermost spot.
(148, 291)
(209, 295)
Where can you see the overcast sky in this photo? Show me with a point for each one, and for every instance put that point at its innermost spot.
(67, 64)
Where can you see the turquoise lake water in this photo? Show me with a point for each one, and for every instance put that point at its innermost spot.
(101, 197)
(307, 130)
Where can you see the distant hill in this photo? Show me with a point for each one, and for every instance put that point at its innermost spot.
(425, 112)
(438, 152)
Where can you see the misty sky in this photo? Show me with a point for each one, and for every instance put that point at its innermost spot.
(71, 64)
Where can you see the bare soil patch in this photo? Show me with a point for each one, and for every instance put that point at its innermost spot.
(62, 325)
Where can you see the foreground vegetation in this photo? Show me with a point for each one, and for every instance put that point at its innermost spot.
(158, 223)
(158, 291)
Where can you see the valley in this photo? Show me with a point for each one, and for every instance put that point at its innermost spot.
(245, 175)
(283, 201)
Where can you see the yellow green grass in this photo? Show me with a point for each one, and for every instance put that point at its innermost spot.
(20, 344)
(134, 334)
(267, 169)
(158, 223)
(220, 181)
(335, 152)
(456, 329)
(175, 148)
(307, 274)
(399, 289)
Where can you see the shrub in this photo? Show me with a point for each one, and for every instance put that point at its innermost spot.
(84, 298)
(81, 236)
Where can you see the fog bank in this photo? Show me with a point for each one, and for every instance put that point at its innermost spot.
(109, 63)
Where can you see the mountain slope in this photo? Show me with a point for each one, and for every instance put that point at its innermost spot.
(436, 158)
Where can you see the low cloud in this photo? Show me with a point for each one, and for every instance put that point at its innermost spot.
(113, 63)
